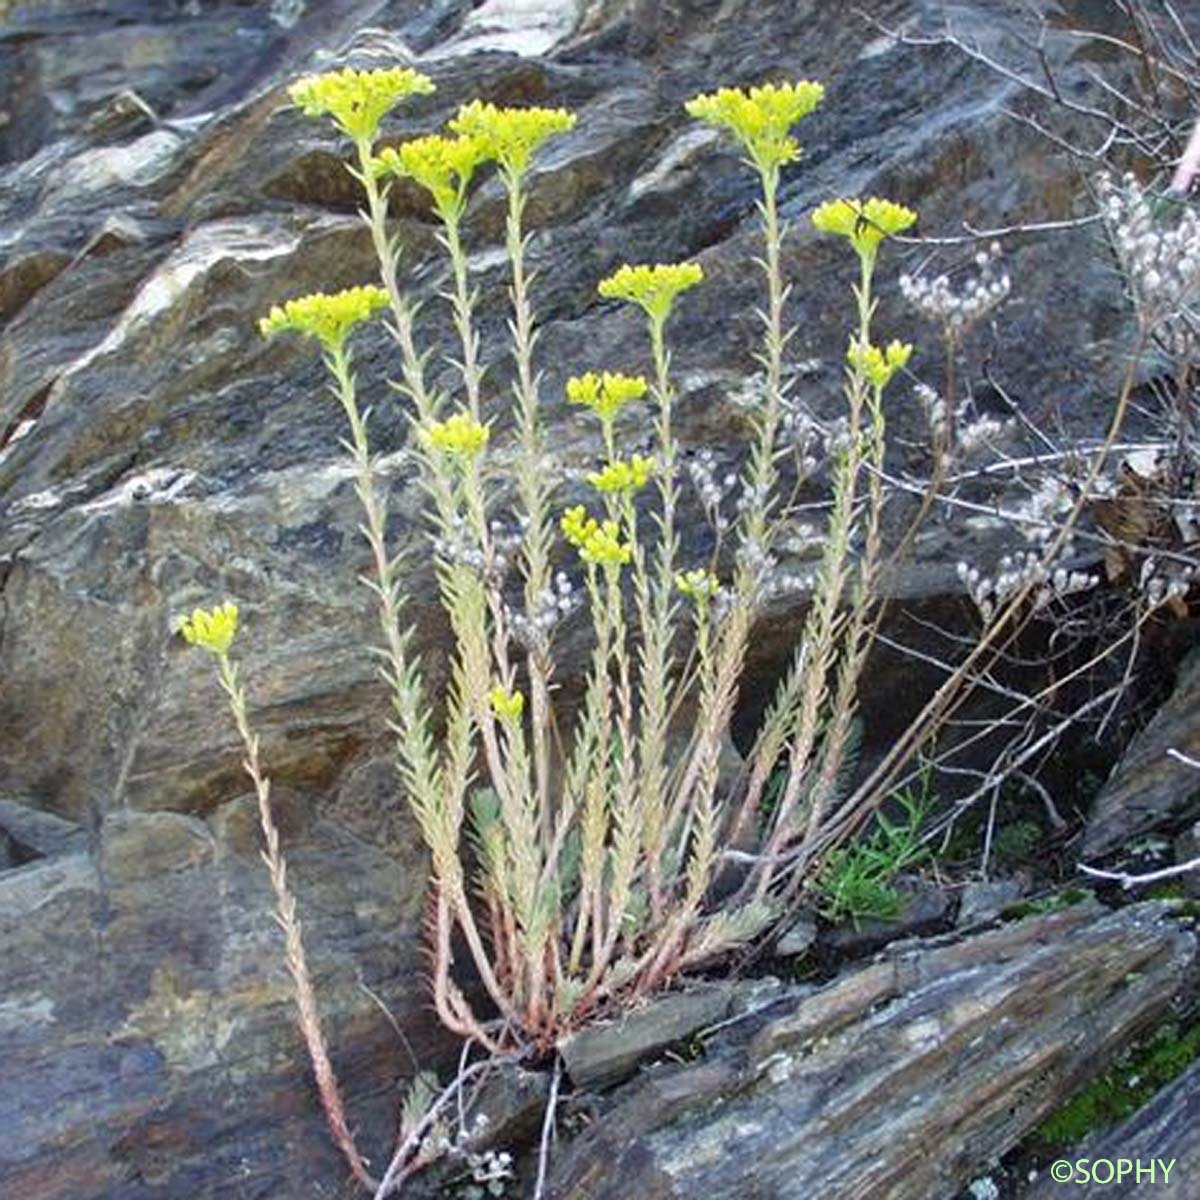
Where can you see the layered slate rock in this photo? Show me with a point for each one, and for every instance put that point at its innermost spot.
(149, 1038)
(1151, 788)
(899, 1079)
(161, 455)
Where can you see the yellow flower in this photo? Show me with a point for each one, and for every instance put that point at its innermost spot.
(606, 393)
(508, 706)
(654, 288)
(213, 630)
(622, 476)
(761, 118)
(441, 165)
(328, 318)
(598, 542)
(357, 100)
(511, 136)
(865, 222)
(699, 585)
(460, 435)
(878, 365)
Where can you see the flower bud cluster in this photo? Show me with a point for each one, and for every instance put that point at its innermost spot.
(1038, 517)
(506, 541)
(556, 602)
(968, 430)
(1160, 255)
(1164, 585)
(1019, 571)
(712, 486)
(957, 309)
(770, 579)
(983, 430)
(492, 1169)
(457, 545)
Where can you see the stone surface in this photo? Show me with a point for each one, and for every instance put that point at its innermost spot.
(898, 1080)
(1149, 788)
(160, 455)
(983, 902)
(146, 1018)
(607, 1052)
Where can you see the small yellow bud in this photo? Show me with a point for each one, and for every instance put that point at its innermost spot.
(652, 287)
(598, 542)
(605, 394)
(698, 585)
(624, 476)
(508, 706)
(328, 318)
(878, 366)
(357, 100)
(213, 630)
(459, 435)
(511, 136)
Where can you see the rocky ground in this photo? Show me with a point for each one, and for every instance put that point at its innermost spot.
(158, 195)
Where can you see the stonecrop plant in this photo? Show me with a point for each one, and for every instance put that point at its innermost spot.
(575, 859)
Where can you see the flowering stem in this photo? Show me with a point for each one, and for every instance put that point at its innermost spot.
(387, 250)
(418, 763)
(285, 903)
(657, 613)
(463, 303)
(763, 473)
(532, 490)
(821, 626)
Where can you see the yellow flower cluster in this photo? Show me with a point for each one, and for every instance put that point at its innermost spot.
(357, 100)
(441, 165)
(508, 706)
(761, 117)
(598, 542)
(865, 222)
(511, 136)
(460, 435)
(623, 476)
(653, 287)
(213, 630)
(698, 585)
(328, 318)
(605, 393)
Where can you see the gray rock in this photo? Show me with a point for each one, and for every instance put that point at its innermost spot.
(1149, 788)
(983, 902)
(32, 834)
(898, 1080)
(168, 457)
(146, 1019)
(606, 1052)
(798, 938)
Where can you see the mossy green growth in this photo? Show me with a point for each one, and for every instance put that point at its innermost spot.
(1123, 1089)
(1047, 904)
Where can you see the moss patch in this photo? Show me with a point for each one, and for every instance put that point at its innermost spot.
(1046, 904)
(1124, 1088)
